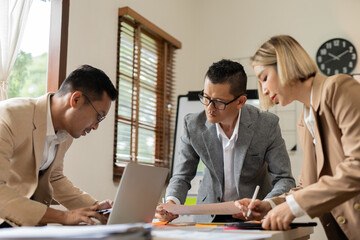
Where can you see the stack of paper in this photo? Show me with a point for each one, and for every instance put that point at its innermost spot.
(122, 231)
(207, 235)
(224, 208)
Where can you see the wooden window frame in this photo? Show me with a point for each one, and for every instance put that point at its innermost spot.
(164, 82)
(58, 40)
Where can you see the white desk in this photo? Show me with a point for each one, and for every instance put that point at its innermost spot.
(164, 232)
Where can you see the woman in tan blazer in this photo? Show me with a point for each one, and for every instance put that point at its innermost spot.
(329, 130)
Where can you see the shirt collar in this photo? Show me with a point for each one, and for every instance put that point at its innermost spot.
(234, 135)
(309, 116)
(60, 135)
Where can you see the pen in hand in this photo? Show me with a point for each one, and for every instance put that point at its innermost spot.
(253, 199)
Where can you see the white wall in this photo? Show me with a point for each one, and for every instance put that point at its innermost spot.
(209, 31)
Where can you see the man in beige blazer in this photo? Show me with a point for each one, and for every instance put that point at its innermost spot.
(35, 134)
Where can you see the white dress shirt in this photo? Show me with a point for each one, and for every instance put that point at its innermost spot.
(230, 192)
(52, 140)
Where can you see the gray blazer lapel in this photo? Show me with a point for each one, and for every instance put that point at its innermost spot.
(39, 134)
(214, 150)
(242, 144)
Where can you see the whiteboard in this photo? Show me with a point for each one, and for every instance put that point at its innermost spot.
(190, 103)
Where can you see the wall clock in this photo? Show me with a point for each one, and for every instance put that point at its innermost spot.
(336, 56)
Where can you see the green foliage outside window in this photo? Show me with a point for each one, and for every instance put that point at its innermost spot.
(28, 76)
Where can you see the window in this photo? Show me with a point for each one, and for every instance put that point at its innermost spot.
(47, 66)
(145, 84)
(28, 75)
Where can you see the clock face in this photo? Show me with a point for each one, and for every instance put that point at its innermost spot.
(336, 56)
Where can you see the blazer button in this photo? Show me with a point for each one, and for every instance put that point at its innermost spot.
(218, 199)
(357, 206)
(341, 220)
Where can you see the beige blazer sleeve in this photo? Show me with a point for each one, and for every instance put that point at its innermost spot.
(64, 191)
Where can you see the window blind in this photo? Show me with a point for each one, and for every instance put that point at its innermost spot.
(145, 75)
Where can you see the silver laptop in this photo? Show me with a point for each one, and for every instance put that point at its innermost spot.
(138, 194)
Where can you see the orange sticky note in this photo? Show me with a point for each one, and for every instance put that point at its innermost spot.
(205, 225)
(159, 223)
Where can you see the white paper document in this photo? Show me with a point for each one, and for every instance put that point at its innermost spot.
(224, 208)
(97, 231)
(210, 235)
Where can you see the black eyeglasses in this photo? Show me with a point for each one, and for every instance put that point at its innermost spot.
(219, 105)
(99, 117)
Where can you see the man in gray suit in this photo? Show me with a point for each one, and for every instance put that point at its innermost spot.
(240, 147)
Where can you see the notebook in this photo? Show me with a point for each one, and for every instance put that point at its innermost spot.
(138, 194)
(257, 225)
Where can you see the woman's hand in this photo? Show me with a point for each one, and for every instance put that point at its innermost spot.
(258, 209)
(162, 215)
(279, 218)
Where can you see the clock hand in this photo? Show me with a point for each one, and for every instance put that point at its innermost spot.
(342, 54)
(334, 57)
(331, 59)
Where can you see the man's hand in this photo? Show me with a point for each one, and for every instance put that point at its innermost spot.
(279, 218)
(73, 217)
(84, 215)
(162, 215)
(105, 204)
(258, 209)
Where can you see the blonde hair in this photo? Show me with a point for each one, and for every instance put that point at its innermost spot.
(289, 58)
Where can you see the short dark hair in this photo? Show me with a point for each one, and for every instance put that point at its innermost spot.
(90, 81)
(227, 71)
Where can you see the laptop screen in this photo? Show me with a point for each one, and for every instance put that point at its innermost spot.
(138, 194)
